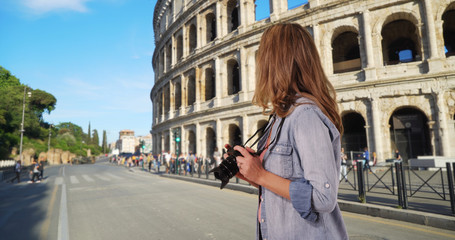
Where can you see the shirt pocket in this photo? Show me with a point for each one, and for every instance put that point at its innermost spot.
(279, 161)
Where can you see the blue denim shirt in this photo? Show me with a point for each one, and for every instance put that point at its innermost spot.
(307, 152)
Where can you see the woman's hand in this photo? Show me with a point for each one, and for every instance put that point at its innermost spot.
(250, 166)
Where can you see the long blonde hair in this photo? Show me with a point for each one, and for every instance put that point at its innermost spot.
(288, 67)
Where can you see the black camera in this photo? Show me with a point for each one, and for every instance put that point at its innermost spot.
(228, 167)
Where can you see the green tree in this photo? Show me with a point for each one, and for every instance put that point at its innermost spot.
(95, 138)
(104, 144)
(89, 136)
(11, 103)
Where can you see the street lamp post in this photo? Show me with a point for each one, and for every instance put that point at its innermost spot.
(49, 142)
(22, 123)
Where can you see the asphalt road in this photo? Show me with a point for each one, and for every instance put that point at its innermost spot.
(103, 201)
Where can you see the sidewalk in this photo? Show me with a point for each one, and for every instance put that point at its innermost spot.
(422, 210)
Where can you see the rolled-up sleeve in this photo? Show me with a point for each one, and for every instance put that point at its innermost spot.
(317, 191)
(300, 192)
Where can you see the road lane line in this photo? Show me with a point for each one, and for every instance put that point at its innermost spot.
(395, 224)
(63, 217)
(87, 178)
(47, 222)
(74, 180)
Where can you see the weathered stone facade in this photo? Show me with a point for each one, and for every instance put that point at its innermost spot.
(392, 63)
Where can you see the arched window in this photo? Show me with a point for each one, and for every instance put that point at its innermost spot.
(235, 135)
(210, 21)
(400, 42)
(178, 95)
(449, 32)
(354, 137)
(210, 142)
(410, 133)
(346, 53)
(233, 77)
(167, 99)
(168, 56)
(233, 15)
(161, 63)
(179, 47)
(210, 84)
(191, 90)
(191, 140)
(192, 38)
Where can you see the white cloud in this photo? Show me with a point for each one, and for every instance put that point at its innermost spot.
(43, 6)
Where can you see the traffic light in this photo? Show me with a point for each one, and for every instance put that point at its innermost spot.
(177, 135)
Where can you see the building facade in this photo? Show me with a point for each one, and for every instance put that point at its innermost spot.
(391, 62)
(126, 142)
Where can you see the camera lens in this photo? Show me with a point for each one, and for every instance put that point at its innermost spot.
(227, 169)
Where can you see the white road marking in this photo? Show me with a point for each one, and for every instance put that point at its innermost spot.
(113, 176)
(102, 177)
(87, 178)
(63, 217)
(74, 180)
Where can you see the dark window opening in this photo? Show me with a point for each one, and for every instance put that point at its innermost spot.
(400, 43)
(346, 53)
(449, 32)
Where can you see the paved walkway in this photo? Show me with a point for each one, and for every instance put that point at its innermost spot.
(425, 207)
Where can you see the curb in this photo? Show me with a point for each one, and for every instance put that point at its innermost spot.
(411, 216)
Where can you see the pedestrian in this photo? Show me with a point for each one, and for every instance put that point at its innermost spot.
(397, 156)
(366, 157)
(150, 161)
(35, 172)
(297, 164)
(343, 172)
(41, 169)
(17, 171)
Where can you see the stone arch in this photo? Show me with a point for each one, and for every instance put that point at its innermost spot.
(177, 95)
(354, 137)
(210, 141)
(210, 26)
(161, 62)
(168, 56)
(167, 99)
(179, 46)
(235, 135)
(448, 18)
(191, 141)
(401, 39)
(233, 15)
(192, 40)
(167, 143)
(191, 90)
(160, 103)
(346, 50)
(233, 74)
(409, 132)
(210, 83)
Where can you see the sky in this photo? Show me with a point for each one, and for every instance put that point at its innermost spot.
(94, 56)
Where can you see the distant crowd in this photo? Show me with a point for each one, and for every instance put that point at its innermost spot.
(184, 163)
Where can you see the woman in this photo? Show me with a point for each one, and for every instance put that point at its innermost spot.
(299, 158)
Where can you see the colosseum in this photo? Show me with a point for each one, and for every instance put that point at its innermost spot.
(392, 63)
